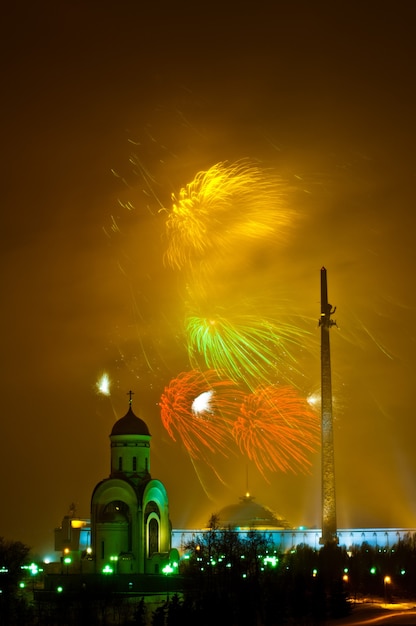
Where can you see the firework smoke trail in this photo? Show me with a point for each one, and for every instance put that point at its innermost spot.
(276, 430)
(219, 208)
(149, 182)
(199, 408)
(246, 348)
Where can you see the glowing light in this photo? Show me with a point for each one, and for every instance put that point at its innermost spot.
(203, 402)
(207, 429)
(103, 384)
(245, 348)
(78, 523)
(314, 400)
(228, 202)
(276, 429)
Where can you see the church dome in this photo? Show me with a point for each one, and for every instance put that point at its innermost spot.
(130, 424)
(249, 514)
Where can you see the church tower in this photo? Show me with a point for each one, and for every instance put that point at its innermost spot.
(130, 448)
(130, 526)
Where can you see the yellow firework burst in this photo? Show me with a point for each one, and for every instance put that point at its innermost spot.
(226, 204)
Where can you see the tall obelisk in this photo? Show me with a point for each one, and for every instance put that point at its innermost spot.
(329, 518)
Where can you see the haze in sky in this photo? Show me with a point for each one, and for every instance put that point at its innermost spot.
(109, 108)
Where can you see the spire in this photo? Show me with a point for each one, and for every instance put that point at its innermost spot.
(247, 496)
(329, 521)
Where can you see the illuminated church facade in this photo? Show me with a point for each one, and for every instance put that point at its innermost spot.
(129, 531)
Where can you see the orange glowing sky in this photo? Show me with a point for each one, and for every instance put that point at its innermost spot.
(107, 110)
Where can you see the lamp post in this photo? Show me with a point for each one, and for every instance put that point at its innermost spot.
(387, 582)
(67, 561)
(167, 570)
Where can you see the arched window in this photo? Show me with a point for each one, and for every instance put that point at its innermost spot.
(152, 520)
(153, 536)
(115, 511)
(116, 516)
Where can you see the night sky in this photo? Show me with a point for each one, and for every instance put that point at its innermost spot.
(110, 107)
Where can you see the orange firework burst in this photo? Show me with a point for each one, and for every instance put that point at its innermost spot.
(225, 204)
(200, 408)
(276, 428)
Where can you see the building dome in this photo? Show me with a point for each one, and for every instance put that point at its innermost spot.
(248, 514)
(130, 424)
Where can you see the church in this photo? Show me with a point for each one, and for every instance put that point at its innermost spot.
(130, 530)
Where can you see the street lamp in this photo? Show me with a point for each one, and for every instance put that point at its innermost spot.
(167, 570)
(387, 581)
(67, 561)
